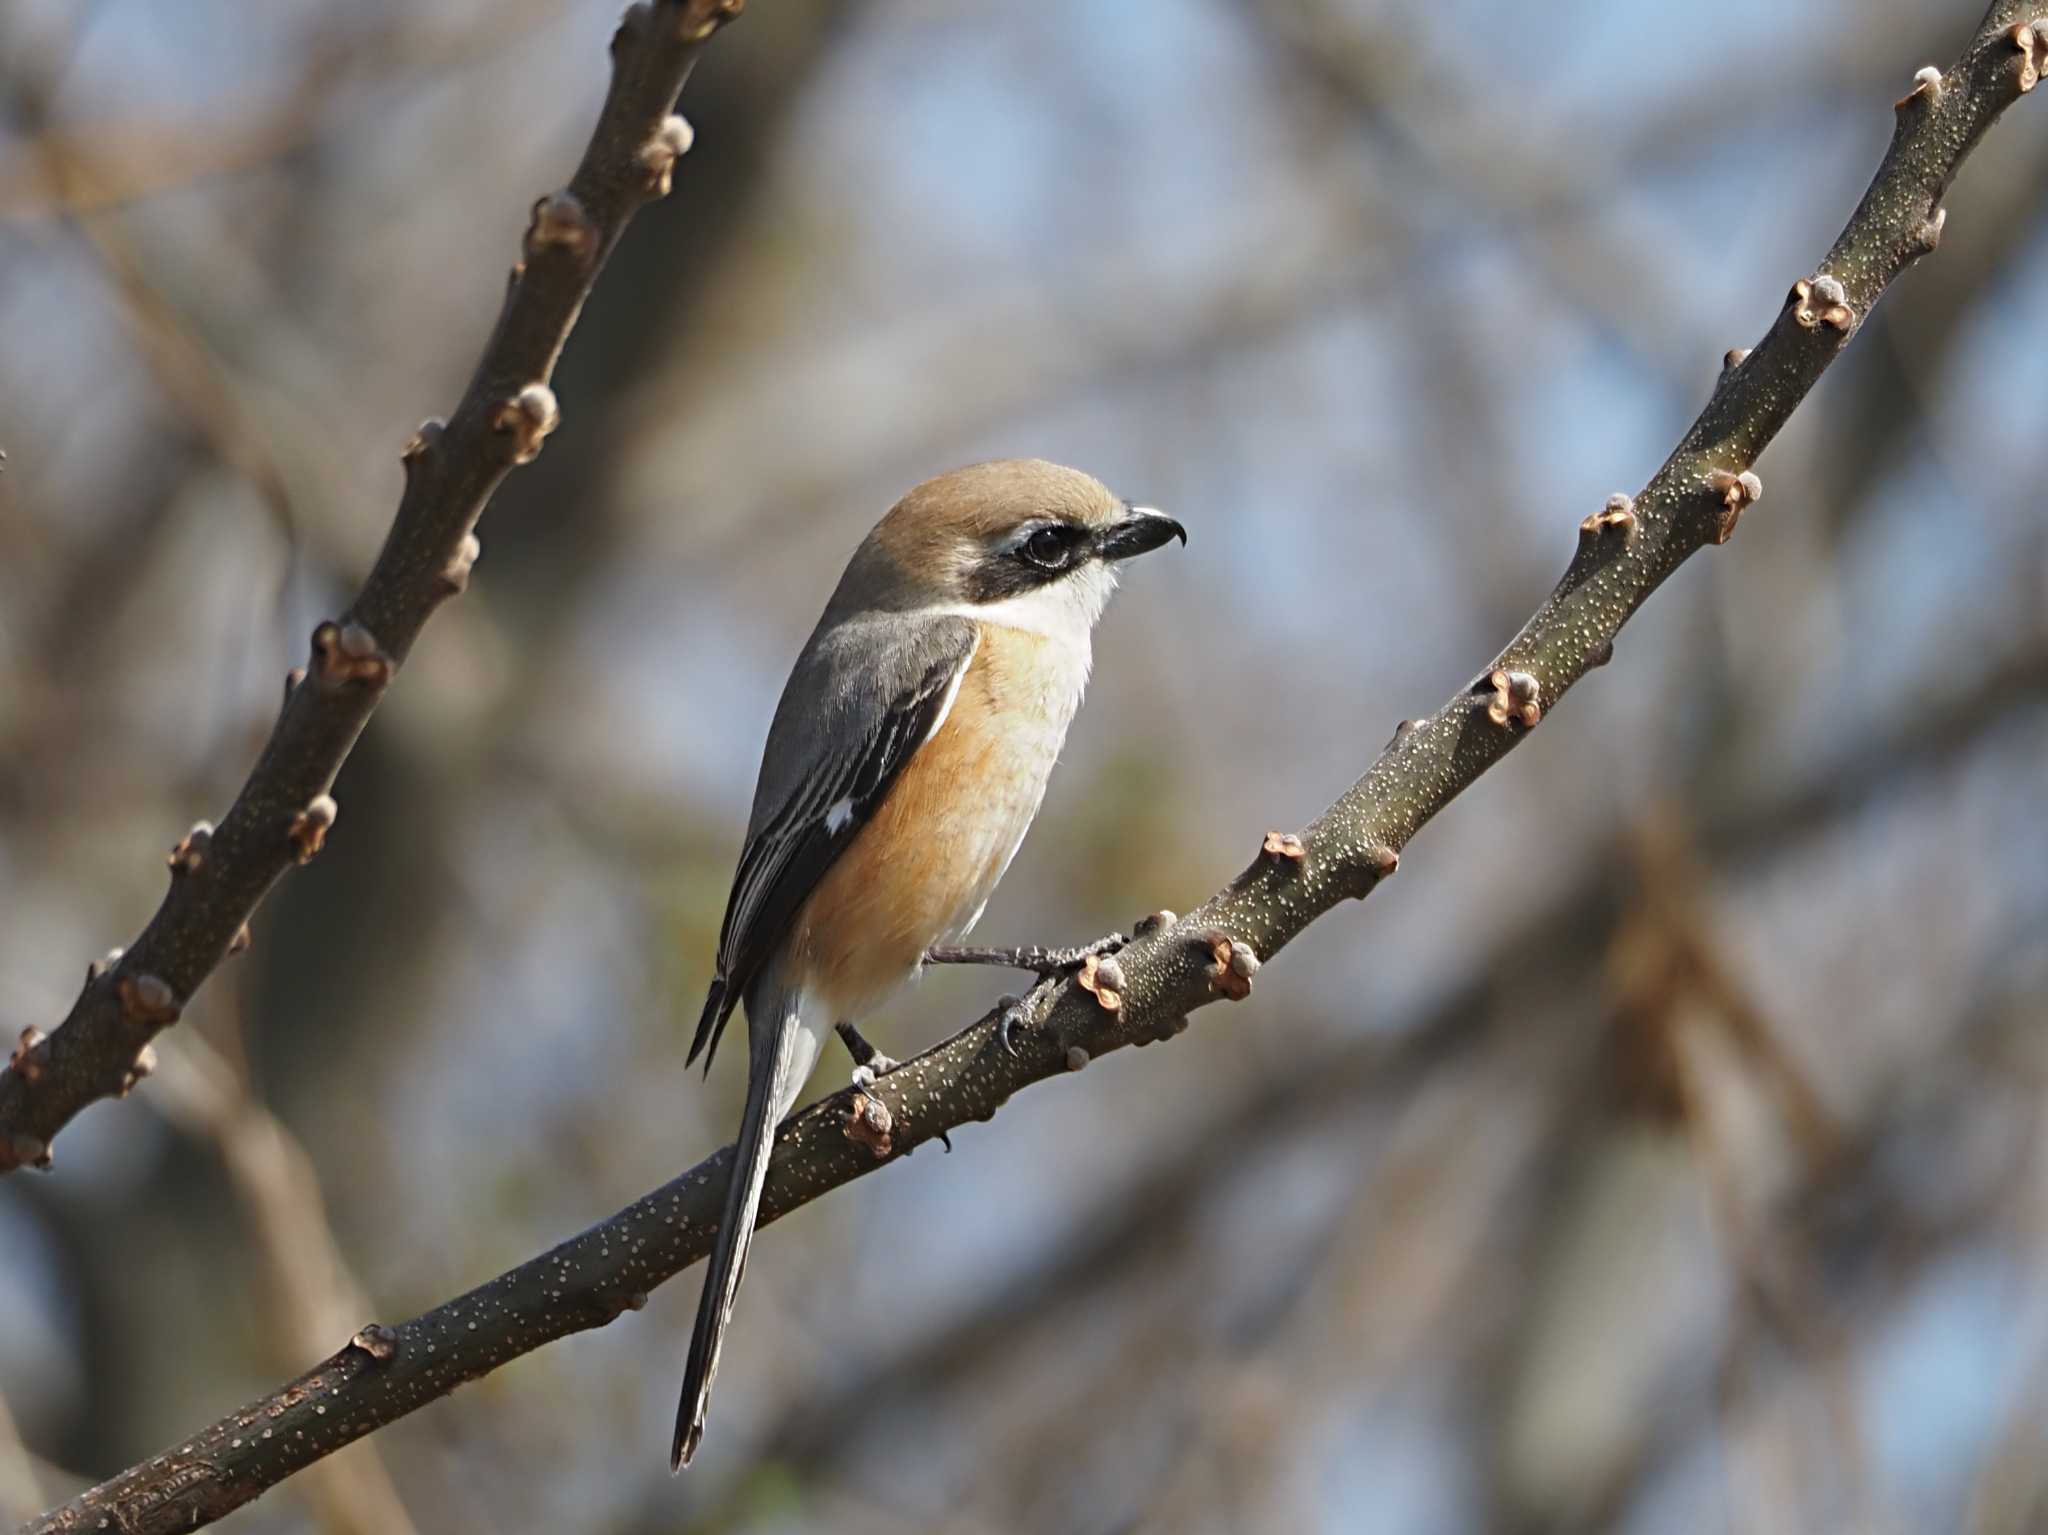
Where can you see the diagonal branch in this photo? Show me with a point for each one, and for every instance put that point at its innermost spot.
(219, 875)
(1174, 965)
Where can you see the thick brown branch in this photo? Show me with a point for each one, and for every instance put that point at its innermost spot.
(284, 810)
(1174, 965)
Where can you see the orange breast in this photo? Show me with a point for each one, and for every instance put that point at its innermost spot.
(922, 868)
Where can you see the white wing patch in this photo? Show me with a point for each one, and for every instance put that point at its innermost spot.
(953, 687)
(840, 811)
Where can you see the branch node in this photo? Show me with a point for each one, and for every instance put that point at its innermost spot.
(376, 1340)
(426, 438)
(1402, 730)
(1926, 91)
(2031, 42)
(190, 853)
(1382, 860)
(1103, 979)
(1152, 924)
(869, 1123)
(1927, 233)
(348, 656)
(453, 580)
(30, 1151)
(99, 967)
(658, 156)
(1512, 698)
(143, 1065)
(723, 12)
(1617, 516)
(22, 1062)
(239, 944)
(1821, 300)
(1734, 492)
(146, 1001)
(1283, 847)
(308, 831)
(1076, 1057)
(1603, 654)
(1232, 964)
(559, 223)
(529, 416)
(1734, 358)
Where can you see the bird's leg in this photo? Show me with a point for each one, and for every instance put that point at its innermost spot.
(868, 1062)
(1043, 962)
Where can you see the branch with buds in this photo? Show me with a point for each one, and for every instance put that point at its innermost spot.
(286, 809)
(1172, 965)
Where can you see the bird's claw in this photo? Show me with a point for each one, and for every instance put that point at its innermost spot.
(1009, 1014)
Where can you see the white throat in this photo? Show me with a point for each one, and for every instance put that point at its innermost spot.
(1064, 610)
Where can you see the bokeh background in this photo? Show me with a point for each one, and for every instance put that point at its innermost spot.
(1662, 1152)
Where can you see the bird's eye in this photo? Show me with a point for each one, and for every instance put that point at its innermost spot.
(1048, 547)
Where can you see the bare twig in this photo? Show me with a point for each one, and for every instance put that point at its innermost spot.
(1174, 965)
(451, 471)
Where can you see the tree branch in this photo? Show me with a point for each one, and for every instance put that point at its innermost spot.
(219, 875)
(1174, 965)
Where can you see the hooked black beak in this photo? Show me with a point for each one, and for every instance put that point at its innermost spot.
(1140, 531)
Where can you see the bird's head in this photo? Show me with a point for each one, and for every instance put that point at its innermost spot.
(1015, 540)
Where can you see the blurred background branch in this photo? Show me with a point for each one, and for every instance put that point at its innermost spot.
(308, 1293)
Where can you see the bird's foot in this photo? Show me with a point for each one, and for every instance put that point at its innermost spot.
(868, 1062)
(1045, 963)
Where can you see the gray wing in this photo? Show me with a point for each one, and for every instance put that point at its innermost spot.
(856, 708)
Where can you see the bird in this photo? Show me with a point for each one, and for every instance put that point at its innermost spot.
(907, 758)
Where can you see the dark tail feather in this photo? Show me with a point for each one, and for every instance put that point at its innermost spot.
(711, 1024)
(728, 1254)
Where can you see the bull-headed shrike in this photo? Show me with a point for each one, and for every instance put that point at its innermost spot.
(908, 755)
